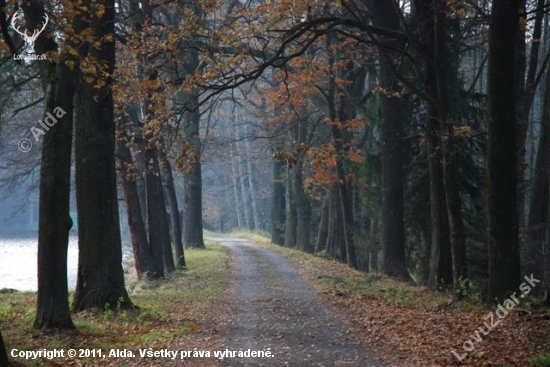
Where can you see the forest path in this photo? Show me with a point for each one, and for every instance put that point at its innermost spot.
(273, 307)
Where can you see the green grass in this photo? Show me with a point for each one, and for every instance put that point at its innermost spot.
(169, 308)
(540, 361)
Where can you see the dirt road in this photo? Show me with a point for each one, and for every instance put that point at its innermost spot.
(273, 307)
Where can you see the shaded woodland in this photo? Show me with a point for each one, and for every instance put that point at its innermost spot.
(409, 138)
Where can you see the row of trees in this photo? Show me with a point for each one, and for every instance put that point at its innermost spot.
(79, 78)
(379, 119)
(399, 137)
(389, 106)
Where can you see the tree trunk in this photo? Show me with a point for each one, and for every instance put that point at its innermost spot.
(157, 217)
(346, 207)
(303, 212)
(4, 361)
(303, 205)
(333, 224)
(245, 202)
(322, 234)
(342, 141)
(458, 235)
(278, 204)
(58, 82)
(170, 194)
(337, 241)
(253, 201)
(236, 181)
(138, 155)
(431, 17)
(100, 279)
(52, 309)
(290, 223)
(137, 18)
(526, 90)
(538, 210)
(340, 108)
(546, 264)
(144, 261)
(440, 86)
(192, 180)
(392, 259)
(504, 264)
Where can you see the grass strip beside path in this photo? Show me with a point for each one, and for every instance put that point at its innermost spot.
(170, 309)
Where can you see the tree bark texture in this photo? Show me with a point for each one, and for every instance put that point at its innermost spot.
(170, 194)
(392, 260)
(537, 255)
(144, 261)
(52, 308)
(100, 278)
(431, 18)
(157, 217)
(192, 180)
(504, 264)
(322, 233)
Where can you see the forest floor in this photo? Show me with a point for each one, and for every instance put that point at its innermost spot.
(305, 310)
(408, 325)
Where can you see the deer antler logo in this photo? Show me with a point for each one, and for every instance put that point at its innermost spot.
(29, 39)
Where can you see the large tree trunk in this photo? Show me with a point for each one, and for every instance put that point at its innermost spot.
(546, 265)
(100, 279)
(392, 259)
(52, 309)
(537, 257)
(170, 194)
(58, 82)
(144, 261)
(192, 180)
(504, 264)
(278, 204)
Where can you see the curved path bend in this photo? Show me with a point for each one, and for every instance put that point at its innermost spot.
(273, 307)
